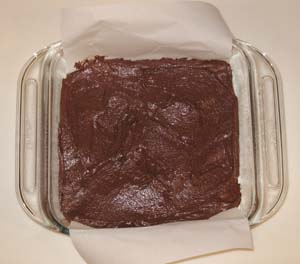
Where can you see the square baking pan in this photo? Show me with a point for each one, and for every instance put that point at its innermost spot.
(257, 84)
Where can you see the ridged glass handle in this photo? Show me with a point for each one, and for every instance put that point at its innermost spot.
(30, 181)
(269, 134)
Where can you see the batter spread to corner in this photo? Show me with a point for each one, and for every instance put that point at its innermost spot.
(148, 142)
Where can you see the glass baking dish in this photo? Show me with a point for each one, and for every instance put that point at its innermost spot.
(257, 84)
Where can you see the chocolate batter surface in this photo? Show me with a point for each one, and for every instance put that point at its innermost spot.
(148, 142)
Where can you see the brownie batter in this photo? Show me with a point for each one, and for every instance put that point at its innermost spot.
(148, 142)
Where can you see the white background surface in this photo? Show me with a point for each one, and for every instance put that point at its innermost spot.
(26, 26)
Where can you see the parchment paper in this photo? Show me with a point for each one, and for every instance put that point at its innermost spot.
(164, 243)
(145, 30)
(152, 30)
